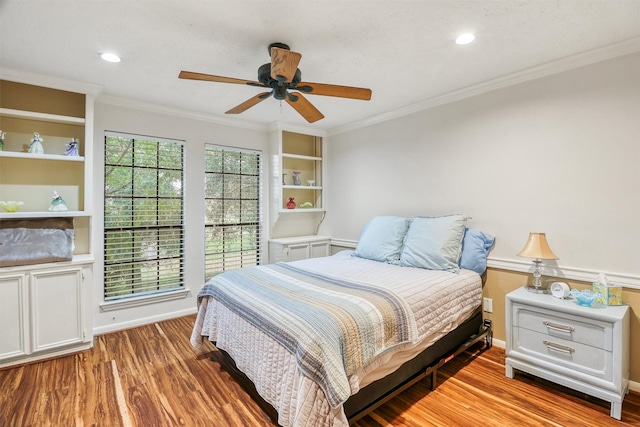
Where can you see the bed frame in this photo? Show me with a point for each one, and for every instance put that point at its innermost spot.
(422, 367)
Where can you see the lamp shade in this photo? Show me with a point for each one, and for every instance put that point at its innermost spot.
(537, 247)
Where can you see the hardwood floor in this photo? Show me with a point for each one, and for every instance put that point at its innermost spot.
(150, 376)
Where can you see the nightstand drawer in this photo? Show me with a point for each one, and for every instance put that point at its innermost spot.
(564, 353)
(583, 330)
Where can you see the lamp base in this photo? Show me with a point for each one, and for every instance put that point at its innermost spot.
(538, 290)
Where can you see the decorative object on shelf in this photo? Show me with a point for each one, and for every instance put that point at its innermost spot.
(296, 178)
(538, 249)
(284, 175)
(58, 204)
(36, 146)
(72, 148)
(2, 140)
(11, 205)
(585, 297)
(291, 204)
(306, 205)
(311, 182)
(610, 294)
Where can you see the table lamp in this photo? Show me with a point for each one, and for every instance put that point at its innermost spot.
(538, 249)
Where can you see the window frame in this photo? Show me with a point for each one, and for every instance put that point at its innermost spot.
(176, 253)
(251, 255)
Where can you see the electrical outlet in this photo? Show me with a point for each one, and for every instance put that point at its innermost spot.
(487, 305)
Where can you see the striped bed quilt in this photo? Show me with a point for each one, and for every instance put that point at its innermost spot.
(333, 326)
(284, 368)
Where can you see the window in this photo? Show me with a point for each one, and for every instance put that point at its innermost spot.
(232, 209)
(143, 216)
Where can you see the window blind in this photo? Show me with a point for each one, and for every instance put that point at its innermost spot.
(143, 215)
(232, 209)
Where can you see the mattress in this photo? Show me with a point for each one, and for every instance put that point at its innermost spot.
(440, 301)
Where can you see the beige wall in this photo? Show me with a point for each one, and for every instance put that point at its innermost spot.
(558, 154)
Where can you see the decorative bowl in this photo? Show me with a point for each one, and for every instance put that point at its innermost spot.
(11, 205)
(311, 182)
(585, 297)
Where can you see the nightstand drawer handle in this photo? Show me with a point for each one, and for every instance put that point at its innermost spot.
(557, 327)
(559, 347)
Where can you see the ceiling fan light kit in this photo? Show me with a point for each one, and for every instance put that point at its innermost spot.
(282, 75)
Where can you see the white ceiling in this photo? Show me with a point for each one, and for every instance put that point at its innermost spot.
(403, 50)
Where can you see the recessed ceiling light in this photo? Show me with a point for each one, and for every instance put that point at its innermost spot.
(465, 38)
(110, 57)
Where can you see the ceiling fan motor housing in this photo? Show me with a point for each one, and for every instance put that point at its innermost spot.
(280, 91)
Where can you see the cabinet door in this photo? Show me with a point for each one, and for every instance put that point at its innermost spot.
(319, 249)
(13, 316)
(297, 252)
(56, 303)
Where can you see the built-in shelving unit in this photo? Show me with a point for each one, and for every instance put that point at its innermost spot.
(301, 151)
(57, 116)
(46, 308)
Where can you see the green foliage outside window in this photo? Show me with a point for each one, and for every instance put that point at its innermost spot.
(143, 216)
(232, 209)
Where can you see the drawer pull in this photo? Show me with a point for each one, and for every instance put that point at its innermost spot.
(559, 347)
(561, 328)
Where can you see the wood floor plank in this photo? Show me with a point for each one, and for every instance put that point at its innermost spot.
(151, 376)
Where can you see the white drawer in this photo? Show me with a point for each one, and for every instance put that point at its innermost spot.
(566, 354)
(575, 329)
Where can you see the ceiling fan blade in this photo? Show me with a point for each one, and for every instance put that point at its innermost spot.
(249, 103)
(304, 107)
(284, 63)
(190, 75)
(334, 90)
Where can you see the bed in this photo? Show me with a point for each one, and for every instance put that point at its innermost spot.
(325, 340)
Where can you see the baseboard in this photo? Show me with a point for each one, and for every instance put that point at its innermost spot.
(100, 330)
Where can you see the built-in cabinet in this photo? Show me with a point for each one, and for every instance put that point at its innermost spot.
(45, 308)
(297, 248)
(44, 312)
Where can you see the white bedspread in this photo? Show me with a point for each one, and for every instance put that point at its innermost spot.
(440, 301)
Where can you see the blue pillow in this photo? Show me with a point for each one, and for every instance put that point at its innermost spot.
(434, 243)
(382, 238)
(475, 249)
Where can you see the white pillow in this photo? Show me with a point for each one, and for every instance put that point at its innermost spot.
(381, 240)
(434, 243)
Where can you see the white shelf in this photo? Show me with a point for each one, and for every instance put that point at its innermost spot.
(42, 214)
(31, 115)
(31, 156)
(302, 187)
(302, 210)
(298, 156)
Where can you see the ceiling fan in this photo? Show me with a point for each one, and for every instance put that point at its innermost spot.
(281, 76)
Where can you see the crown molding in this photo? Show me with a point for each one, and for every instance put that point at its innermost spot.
(177, 112)
(565, 64)
(49, 81)
(279, 126)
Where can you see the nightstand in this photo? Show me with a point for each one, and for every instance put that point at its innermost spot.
(583, 348)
